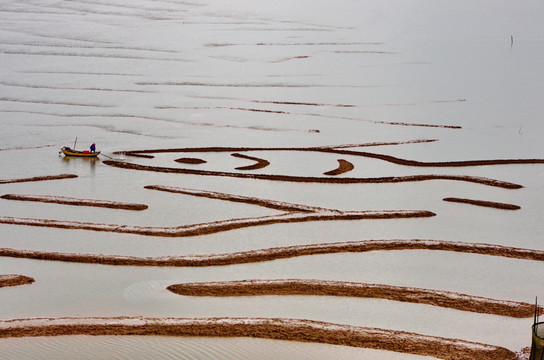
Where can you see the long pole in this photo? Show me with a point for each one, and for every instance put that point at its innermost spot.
(75, 143)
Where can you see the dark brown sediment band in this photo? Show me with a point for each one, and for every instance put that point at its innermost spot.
(259, 163)
(39, 178)
(217, 226)
(271, 204)
(341, 149)
(14, 280)
(192, 161)
(343, 167)
(406, 162)
(267, 328)
(491, 204)
(439, 298)
(75, 201)
(322, 180)
(270, 254)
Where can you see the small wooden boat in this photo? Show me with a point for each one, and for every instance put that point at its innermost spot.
(71, 152)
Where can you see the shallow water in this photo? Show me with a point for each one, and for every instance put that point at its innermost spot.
(296, 74)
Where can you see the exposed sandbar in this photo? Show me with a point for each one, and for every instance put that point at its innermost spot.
(75, 201)
(491, 204)
(270, 254)
(343, 167)
(439, 298)
(14, 280)
(279, 329)
(325, 180)
(40, 178)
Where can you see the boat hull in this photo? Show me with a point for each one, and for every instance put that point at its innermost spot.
(75, 153)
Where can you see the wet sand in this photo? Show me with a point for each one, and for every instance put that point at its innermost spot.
(280, 329)
(439, 298)
(14, 280)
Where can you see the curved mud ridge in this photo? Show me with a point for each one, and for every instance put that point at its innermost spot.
(270, 254)
(15, 280)
(267, 328)
(259, 163)
(309, 179)
(343, 167)
(491, 204)
(40, 178)
(75, 201)
(444, 299)
(340, 149)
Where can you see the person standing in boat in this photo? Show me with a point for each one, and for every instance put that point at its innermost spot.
(93, 148)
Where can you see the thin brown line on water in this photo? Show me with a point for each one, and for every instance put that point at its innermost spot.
(40, 178)
(438, 298)
(75, 201)
(267, 328)
(270, 254)
(14, 280)
(491, 204)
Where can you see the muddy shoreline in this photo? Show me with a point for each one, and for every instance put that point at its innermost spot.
(267, 328)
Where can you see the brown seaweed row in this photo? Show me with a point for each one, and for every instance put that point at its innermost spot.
(75, 201)
(193, 161)
(343, 167)
(270, 254)
(267, 203)
(267, 328)
(260, 163)
(491, 204)
(309, 179)
(340, 150)
(444, 299)
(15, 280)
(39, 178)
(216, 226)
